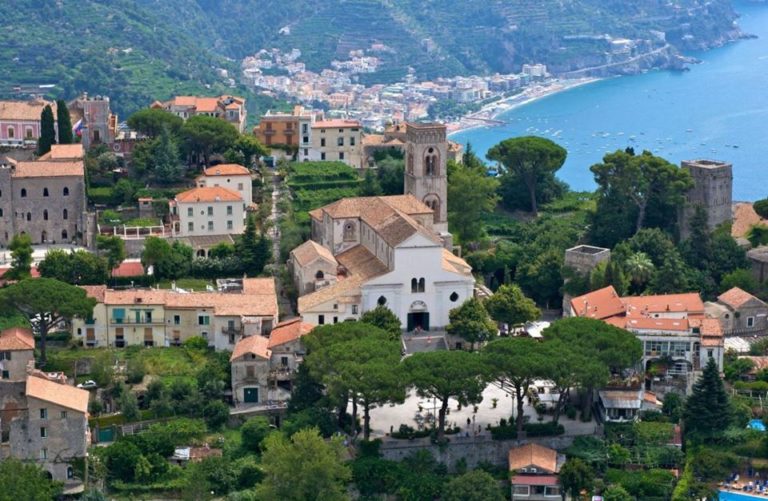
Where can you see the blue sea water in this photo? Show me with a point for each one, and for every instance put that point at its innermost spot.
(718, 110)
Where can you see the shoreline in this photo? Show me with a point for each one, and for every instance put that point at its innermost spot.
(488, 115)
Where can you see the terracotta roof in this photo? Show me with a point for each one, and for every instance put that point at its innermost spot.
(208, 194)
(134, 296)
(311, 250)
(64, 152)
(759, 363)
(59, 394)
(373, 140)
(260, 286)
(17, 339)
(455, 264)
(206, 104)
(336, 124)
(183, 101)
(600, 304)
(407, 204)
(662, 324)
(690, 303)
(24, 110)
(533, 455)
(227, 170)
(735, 297)
(48, 168)
(287, 331)
(744, 217)
(256, 345)
(128, 269)
(98, 292)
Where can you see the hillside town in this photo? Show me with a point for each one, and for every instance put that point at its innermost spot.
(184, 298)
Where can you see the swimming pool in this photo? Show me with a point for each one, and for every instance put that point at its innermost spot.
(757, 424)
(737, 496)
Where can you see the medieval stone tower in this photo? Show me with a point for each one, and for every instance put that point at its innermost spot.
(712, 190)
(426, 176)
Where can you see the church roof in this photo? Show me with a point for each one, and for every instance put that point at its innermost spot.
(309, 251)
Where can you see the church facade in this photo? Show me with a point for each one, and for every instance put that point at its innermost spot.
(393, 251)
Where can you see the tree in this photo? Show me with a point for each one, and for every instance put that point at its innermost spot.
(761, 207)
(471, 322)
(25, 481)
(254, 250)
(249, 146)
(576, 476)
(446, 375)
(47, 131)
(216, 414)
(673, 276)
(303, 468)
(383, 318)
(370, 186)
(253, 432)
(531, 158)
(516, 362)
(155, 250)
(45, 303)
(640, 269)
(167, 260)
(616, 493)
(167, 168)
(64, 122)
(129, 406)
(707, 411)
(672, 407)
(152, 121)
(204, 136)
(471, 196)
(113, 248)
(78, 267)
(510, 306)
(741, 278)
(21, 257)
(475, 485)
(121, 458)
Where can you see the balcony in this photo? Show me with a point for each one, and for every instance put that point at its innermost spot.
(232, 331)
(133, 322)
(281, 374)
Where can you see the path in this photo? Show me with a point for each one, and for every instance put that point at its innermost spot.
(284, 305)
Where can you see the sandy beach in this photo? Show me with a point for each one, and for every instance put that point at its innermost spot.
(488, 114)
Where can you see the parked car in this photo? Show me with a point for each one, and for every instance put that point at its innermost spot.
(88, 385)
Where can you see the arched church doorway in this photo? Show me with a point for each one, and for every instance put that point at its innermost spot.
(418, 317)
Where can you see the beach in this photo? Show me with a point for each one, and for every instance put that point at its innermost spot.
(488, 114)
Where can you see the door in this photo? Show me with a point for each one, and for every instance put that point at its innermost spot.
(251, 395)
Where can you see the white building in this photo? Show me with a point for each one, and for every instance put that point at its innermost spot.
(207, 211)
(231, 176)
(336, 140)
(390, 251)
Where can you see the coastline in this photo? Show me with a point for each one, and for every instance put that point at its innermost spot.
(488, 114)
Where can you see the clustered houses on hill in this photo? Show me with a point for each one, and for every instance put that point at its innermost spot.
(42, 418)
(393, 251)
(45, 198)
(154, 317)
(677, 336)
(229, 108)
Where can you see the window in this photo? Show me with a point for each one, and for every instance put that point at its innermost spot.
(177, 320)
(306, 152)
(70, 473)
(710, 353)
(341, 131)
(43, 453)
(1, 212)
(522, 490)
(414, 285)
(453, 297)
(341, 155)
(352, 141)
(430, 163)
(321, 319)
(250, 371)
(421, 285)
(322, 142)
(210, 211)
(750, 321)
(335, 306)
(354, 309)
(229, 210)
(239, 186)
(29, 133)
(64, 234)
(229, 225)
(190, 211)
(190, 226)
(43, 432)
(322, 156)
(10, 132)
(210, 225)
(29, 216)
(45, 215)
(304, 128)
(63, 415)
(45, 192)
(65, 214)
(305, 139)
(203, 320)
(66, 191)
(340, 141)
(43, 413)
(6, 374)
(335, 320)
(23, 193)
(381, 301)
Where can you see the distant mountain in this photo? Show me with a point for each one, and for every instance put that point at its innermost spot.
(139, 50)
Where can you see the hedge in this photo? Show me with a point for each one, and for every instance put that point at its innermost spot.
(509, 431)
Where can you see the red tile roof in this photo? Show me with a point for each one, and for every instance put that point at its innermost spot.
(208, 194)
(336, 124)
(287, 331)
(59, 394)
(689, 303)
(50, 168)
(533, 455)
(17, 339)
(227, 170)
(256, 345)
(600, 304)
(128, 269)
(735, 297)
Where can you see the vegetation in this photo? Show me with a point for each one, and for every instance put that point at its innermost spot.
(25, 481)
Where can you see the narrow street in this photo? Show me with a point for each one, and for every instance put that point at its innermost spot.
(284, 305)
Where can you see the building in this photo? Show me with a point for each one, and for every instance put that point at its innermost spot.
(229, 108)
(288, 129)
(392, 251)
(622, 401)
(740, 313)
(582, 259)
(20, 122)
(93, 120)
(712, 190)
(678, 338)
(231, 176)
(44, 199)
(340, 140)
(156, 317)
(42, 419)
(263, 368)
(533, 470)
(207, 211)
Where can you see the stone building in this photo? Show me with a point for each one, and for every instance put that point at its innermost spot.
(44, 199)
(740, 313)
(712, 190)
(17, 350)
(583, 259)
(228, 108)
(93, 120)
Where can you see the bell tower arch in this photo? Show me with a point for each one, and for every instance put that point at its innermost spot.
(426, 177)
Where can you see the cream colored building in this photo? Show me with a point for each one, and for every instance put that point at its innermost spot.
(211, 210)
(337, 140)
(233, 177)
(154, 317)
(228, 108)
(17, 350)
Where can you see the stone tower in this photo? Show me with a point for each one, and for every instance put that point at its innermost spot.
(426, 176)
(712, 190)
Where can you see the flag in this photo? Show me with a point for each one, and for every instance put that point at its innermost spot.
(77, 129)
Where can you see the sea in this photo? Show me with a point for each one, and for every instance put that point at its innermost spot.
(718, 110)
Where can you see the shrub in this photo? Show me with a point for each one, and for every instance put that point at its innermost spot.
(408, 432)
(135, 372)
(196, 343)
(509, 431)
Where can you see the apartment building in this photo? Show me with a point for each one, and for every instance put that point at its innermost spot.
(229, 108)
(233, 177)
(213, 210)
(338, 140)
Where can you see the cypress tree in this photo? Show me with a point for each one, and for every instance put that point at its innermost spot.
(707, 411)
(65, 123)
(47, 131)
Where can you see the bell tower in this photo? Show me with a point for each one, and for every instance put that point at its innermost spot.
(426, 176)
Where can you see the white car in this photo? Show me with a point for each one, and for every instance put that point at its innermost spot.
(88, 385)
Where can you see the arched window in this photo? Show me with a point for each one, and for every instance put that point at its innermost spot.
(430, 163)
(349, 231)
(65, 214)
(11, 132)
(64, 235)
(319, 275)
(66, 191)
(45, 215)
(381, 301)
(414, 285)
(29, 216)
(422, 284)
(70, 472)
(45, 192)
(453, 297)
(23, 193)
(410, 163)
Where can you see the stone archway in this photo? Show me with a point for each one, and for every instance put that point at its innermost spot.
(418, 317)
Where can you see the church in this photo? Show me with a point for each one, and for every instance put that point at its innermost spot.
(394, 251)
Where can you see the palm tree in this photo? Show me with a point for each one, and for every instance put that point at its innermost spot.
(640, 269)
